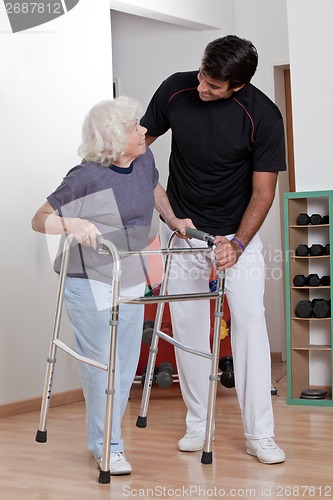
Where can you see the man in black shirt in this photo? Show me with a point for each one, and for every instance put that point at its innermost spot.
(227, 149)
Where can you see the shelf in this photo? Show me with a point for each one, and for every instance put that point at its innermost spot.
(307, 226)
(313, 347)
(309, 257)
(310, 287)
(309, 340)
(309, 319)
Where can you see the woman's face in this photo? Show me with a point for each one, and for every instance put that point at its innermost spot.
(136, 137)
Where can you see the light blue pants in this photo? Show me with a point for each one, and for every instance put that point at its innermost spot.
(88, 307)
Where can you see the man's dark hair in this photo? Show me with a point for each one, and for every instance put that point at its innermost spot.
(230, 58)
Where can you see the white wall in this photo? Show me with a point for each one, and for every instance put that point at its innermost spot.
(188, 13)
(49, 78)
(147, 51)
(311, 75)
(52, 74)
(265, 23)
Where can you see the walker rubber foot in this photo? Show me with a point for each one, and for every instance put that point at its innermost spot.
(207, 457)
(41, 436)
(141, 422)
(104, 477)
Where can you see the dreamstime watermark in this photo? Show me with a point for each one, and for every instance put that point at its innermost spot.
(24, 15)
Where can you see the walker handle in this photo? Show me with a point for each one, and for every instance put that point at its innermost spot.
(200, 235)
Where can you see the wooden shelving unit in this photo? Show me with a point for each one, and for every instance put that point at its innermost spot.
(309, 340)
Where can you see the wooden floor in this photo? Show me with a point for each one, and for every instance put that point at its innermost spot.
(63, 468)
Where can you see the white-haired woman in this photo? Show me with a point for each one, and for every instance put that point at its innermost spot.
(112, 192)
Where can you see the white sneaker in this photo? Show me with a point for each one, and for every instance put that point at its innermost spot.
(266, 450)
(118, 464)
(192, 441)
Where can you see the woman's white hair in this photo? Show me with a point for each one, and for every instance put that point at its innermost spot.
(104, 130)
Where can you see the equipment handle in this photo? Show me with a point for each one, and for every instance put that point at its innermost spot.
(199, 235)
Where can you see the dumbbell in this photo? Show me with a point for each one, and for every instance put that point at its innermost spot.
(304, 309)
(315, 250)
(311, 280)
(143, 376)
(315, 219)
(321, 308)
(318, 308)
(226, 366)
(147, 331)
(325, 281)
(164, 376)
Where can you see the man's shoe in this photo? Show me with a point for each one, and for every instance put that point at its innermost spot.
(192, 441)
(118, 464)
(266, 450)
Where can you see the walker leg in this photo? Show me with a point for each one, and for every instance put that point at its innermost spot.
(104, 474)
(41, 435)
(207, 454)
(142, 417)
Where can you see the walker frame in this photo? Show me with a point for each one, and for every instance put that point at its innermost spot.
(108, 248)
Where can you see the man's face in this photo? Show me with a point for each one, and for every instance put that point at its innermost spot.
(212, 90)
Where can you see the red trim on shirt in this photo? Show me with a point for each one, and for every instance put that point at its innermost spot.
(248, 114)
(179, 91)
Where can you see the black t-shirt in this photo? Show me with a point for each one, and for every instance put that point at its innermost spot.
(216, 146)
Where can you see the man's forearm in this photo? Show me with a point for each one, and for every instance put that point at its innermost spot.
(260, 203)
(162, 204)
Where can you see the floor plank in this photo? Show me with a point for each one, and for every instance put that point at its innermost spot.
(63, 469)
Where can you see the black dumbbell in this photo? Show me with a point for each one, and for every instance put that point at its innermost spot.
(300, 280)
(164, 377)
(316, 219)
(226, 366)
(321, 308)
(143, 376)
(304, 309)
(325, 219)
(316, 250)
(325, 281)
(147, 331)
(305, 219)
(302, 250)
(313, 280)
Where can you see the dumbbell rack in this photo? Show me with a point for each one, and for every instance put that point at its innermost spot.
(106, 247)
(309, 339)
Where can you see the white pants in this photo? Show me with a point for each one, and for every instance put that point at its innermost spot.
(249, 340)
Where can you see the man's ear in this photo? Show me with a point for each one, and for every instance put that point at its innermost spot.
(236, 89)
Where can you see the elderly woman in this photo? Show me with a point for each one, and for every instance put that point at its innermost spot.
(112, 192)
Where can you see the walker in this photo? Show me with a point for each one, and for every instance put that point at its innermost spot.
(106, 247)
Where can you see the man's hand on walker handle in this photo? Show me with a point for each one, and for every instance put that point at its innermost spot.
(226, 252)
(180, 225)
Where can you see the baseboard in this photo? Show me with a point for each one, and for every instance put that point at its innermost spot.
(64, 398)
(276, 357)
(34, 404)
